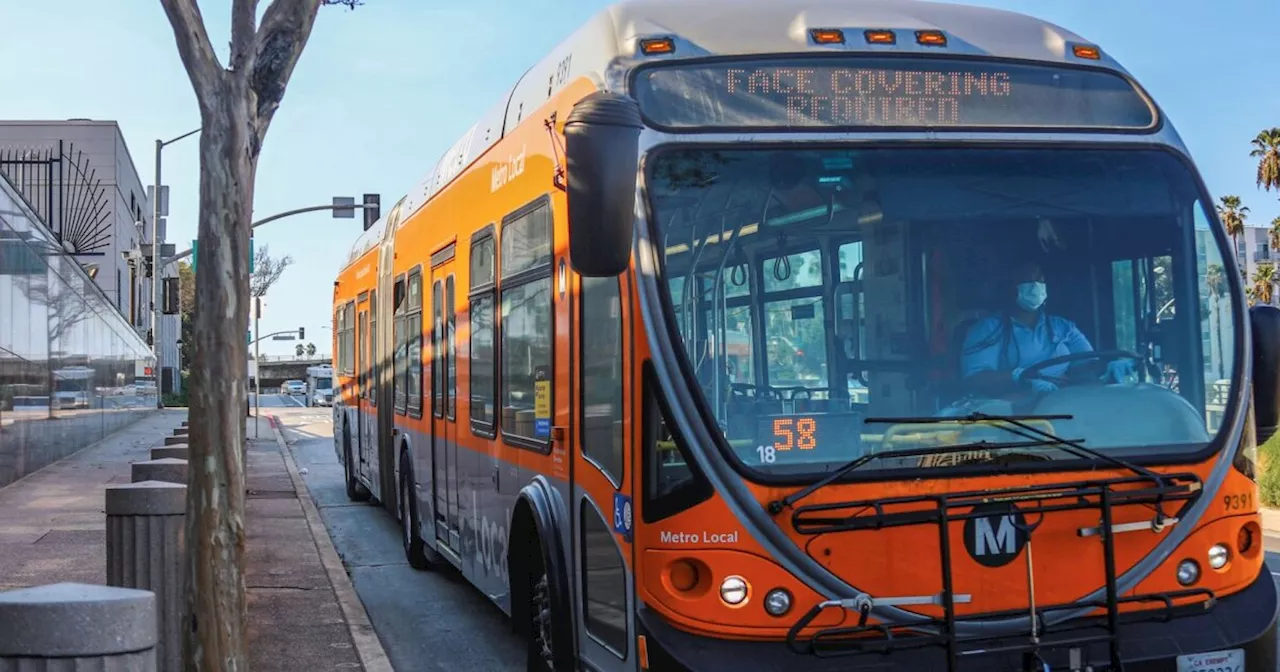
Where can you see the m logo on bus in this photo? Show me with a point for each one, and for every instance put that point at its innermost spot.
(996, 535)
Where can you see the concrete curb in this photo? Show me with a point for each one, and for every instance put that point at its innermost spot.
(368, 646)
(1270, 521)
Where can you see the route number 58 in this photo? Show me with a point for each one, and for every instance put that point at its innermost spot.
(791, 433)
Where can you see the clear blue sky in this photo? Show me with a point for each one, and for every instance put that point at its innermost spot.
(382, 91)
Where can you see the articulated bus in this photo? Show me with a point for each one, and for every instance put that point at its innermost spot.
(821, 335)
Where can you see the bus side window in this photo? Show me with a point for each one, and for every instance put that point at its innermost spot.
(672, 482)
(399, 344)
(372, 388)
(602, 379)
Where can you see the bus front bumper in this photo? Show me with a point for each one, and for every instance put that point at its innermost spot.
(1245, 620)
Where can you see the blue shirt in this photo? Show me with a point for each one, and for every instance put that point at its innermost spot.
(989, 347)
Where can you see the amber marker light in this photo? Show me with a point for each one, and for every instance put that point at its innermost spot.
(1086, 51)
(684, 575)
(827, 35)
(658, 45)
(931, 38)
(880, 37)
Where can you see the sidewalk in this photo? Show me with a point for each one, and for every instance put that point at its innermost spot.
(53, 528)
(1270, 522)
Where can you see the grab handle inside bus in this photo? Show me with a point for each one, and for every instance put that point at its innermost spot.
(602, 136)
(1264, 323)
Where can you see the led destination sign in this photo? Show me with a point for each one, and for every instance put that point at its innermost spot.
(810, 437)
(887, 92)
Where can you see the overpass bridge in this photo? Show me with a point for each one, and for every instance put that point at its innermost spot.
(275, 372)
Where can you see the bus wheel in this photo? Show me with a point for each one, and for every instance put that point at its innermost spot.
(355, 491)
(541, 654)
(414, 547)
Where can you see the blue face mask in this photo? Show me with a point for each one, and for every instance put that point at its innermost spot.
(1031, 295)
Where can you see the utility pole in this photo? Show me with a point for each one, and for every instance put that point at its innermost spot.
(257, 367)
(156, 270)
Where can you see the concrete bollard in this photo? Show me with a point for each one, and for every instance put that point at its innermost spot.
(76, 626)
(174, 440)
(179, 452)
(185, 424)
(146, 522)
(168, 469)
(181, 431)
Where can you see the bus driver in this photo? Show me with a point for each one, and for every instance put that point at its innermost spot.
(998, 349)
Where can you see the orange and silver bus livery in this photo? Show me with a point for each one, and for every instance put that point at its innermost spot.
(822, 335)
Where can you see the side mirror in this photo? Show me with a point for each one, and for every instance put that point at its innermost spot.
(602, 150)
(1265, 331)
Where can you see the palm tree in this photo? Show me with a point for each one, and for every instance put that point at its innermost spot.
(1216, 281)
(1274, 234)
(300, 349)
(1233, 214)
(1264, 280)
(311, 349)
(1267, 148)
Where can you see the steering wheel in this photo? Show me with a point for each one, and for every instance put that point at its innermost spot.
(1035, 370)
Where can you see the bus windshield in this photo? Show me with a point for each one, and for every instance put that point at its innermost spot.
(816, 293)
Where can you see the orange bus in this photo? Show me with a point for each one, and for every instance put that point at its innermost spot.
(808, 334)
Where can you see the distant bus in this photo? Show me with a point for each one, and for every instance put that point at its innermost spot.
(73, 387)
(320, 385)
(669, 354)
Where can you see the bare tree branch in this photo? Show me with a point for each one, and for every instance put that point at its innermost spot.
(266, 271)
(194, 48)
(284, 32)
(244, 15)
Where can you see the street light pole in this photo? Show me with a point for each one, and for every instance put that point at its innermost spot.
(280, 215)
(156, 270)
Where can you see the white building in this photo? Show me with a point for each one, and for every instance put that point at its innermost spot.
(1253, 246)
(78, 176)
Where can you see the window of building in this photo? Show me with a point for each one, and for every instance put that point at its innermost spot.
(482, 364)
(526, 334)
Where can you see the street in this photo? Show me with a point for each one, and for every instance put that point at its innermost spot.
(280, 401)
(413, 612)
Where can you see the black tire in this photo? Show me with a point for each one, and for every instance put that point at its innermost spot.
(540, 643)
(356, 491)
(415, 549)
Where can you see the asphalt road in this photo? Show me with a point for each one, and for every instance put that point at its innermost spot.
(414, 613)
(279, 401)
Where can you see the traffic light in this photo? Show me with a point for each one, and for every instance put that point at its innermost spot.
(171, 302)
(302, 333)
(372, 209)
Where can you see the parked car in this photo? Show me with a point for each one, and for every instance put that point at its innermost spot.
(292, 387)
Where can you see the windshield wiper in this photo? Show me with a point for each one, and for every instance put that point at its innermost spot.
(1019, 422)
(1016, 424)
(776, 506)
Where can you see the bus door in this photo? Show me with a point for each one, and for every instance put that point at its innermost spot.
(601, 436)
(365, 422)
(444, 433)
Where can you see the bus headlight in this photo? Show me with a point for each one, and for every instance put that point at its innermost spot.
(777, 602)
(1188, 572)
(1219, 554)
(733, 590)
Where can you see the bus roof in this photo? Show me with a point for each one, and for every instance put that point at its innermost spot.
(605, 48)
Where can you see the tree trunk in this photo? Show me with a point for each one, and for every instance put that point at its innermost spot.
(215, 638)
